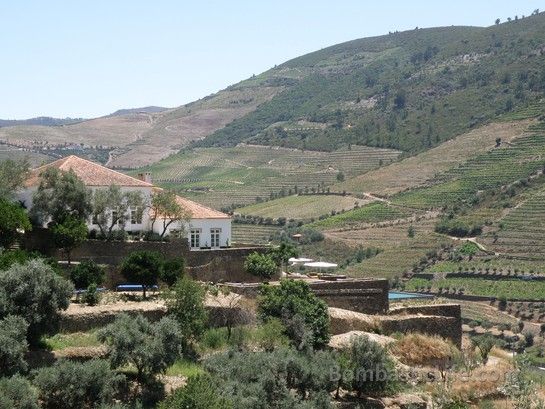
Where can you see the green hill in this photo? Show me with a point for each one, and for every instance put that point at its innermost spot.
(409, 91)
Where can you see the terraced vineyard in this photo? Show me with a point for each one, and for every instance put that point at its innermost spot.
(220, 177)
(370, 213)
(400, 252)
(522, 231)
(498, 167)
(302, 207)
(489, 264)
(252, 233)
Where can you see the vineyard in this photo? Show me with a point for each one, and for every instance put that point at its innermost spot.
(511, 289)
(488, 265)
(252, 233)
(302, 207)
(522, 232)
(400, 252)
(224, 176)
(498, 167)
(370, 213)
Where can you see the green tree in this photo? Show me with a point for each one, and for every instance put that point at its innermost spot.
(36, 293)
(260, 265)
(283, 253)
(73, 385)
(185, 303)
(497, 21)
(17, 393)
(372, 370)
(69, 234)
(59, 195)
(411, 231)
(149, 347)
(13, 218)
(111, 208)
(340, 177)
(484, 343)
(200, 392)
(164, 206)
(142, 267)
(14, 345)
(86, 273)
(294, 298)
(12, 175)
(172, 270)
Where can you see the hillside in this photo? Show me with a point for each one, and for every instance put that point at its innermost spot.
(408, 91)
(41, 120)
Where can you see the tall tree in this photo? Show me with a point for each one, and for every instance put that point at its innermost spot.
(13, 219)
(12, 176)
(164, 206)
(59, 195)
(69, 233)
(111, 207)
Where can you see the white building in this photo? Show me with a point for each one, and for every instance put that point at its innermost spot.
(207, 228)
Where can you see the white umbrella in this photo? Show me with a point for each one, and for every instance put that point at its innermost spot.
(321, 264)
(294, 260)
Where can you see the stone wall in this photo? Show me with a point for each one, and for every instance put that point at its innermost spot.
(362, 295)
(218, 265)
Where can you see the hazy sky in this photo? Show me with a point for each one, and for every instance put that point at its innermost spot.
(88, 58)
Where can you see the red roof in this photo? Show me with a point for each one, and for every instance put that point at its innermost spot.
(197, 210)
(91, 173)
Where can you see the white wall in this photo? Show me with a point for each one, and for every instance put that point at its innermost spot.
(205, 225)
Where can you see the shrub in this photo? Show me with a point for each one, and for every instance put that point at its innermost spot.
(150, 348)
(185, 303)
(457, 228)
(271, 335)
(142, 267)
(74, 385)
(484, 343)
(214, 338)
(17, 393)
(260, 265)
(91, 296)
(200, 392)
(294, 298)
(172, 270)
(12, 219)
(372, 370)
(34, 292)
(424, 350)
(17, 256)
(86, 273)
(13, 345)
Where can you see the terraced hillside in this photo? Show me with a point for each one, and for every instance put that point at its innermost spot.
(224, 176)
(522, 231)
(252, 234)
(302, 207)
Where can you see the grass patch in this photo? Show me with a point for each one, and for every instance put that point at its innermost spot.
(59, 342)
(184, 367)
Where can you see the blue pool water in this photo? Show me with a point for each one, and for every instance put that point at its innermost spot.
(396, 295)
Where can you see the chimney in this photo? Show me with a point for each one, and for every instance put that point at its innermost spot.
(146, 177)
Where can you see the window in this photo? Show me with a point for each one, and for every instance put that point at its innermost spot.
(215, 237)
(115, 217)
(195, 238)
(136, 215)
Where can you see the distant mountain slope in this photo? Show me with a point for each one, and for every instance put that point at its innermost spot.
(407, 90)
(41, 120)
(148, 110)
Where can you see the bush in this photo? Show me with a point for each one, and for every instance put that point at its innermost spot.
(185, 303)
(293, 299)
(200, 392)
(372, 370)
(17, 393)
(11, 257)
(86, 273)
(12, 219)
(457, 228)
(13, 345)
(484, 343)
(142, 267)
(172, 270)
(271, 335)
(74, 385)
(34, 292)
(91, 296)
(150, 348)
(260, 265)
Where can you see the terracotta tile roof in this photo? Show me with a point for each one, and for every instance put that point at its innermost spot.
(198, 211)
(92, 174)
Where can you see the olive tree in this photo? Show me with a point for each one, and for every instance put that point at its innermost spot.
(13, 219)
(164, 206)
(36, 293)
(69, 233)
(12, 176)
(73, 385)
(60, 194)
(149, 347)
(142, 267)
(111, 207)
(14, 345)
(293, 302)
(17, 393)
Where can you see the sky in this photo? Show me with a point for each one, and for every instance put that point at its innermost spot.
(89, 58)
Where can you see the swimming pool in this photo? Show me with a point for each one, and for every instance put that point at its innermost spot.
(397, 295)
